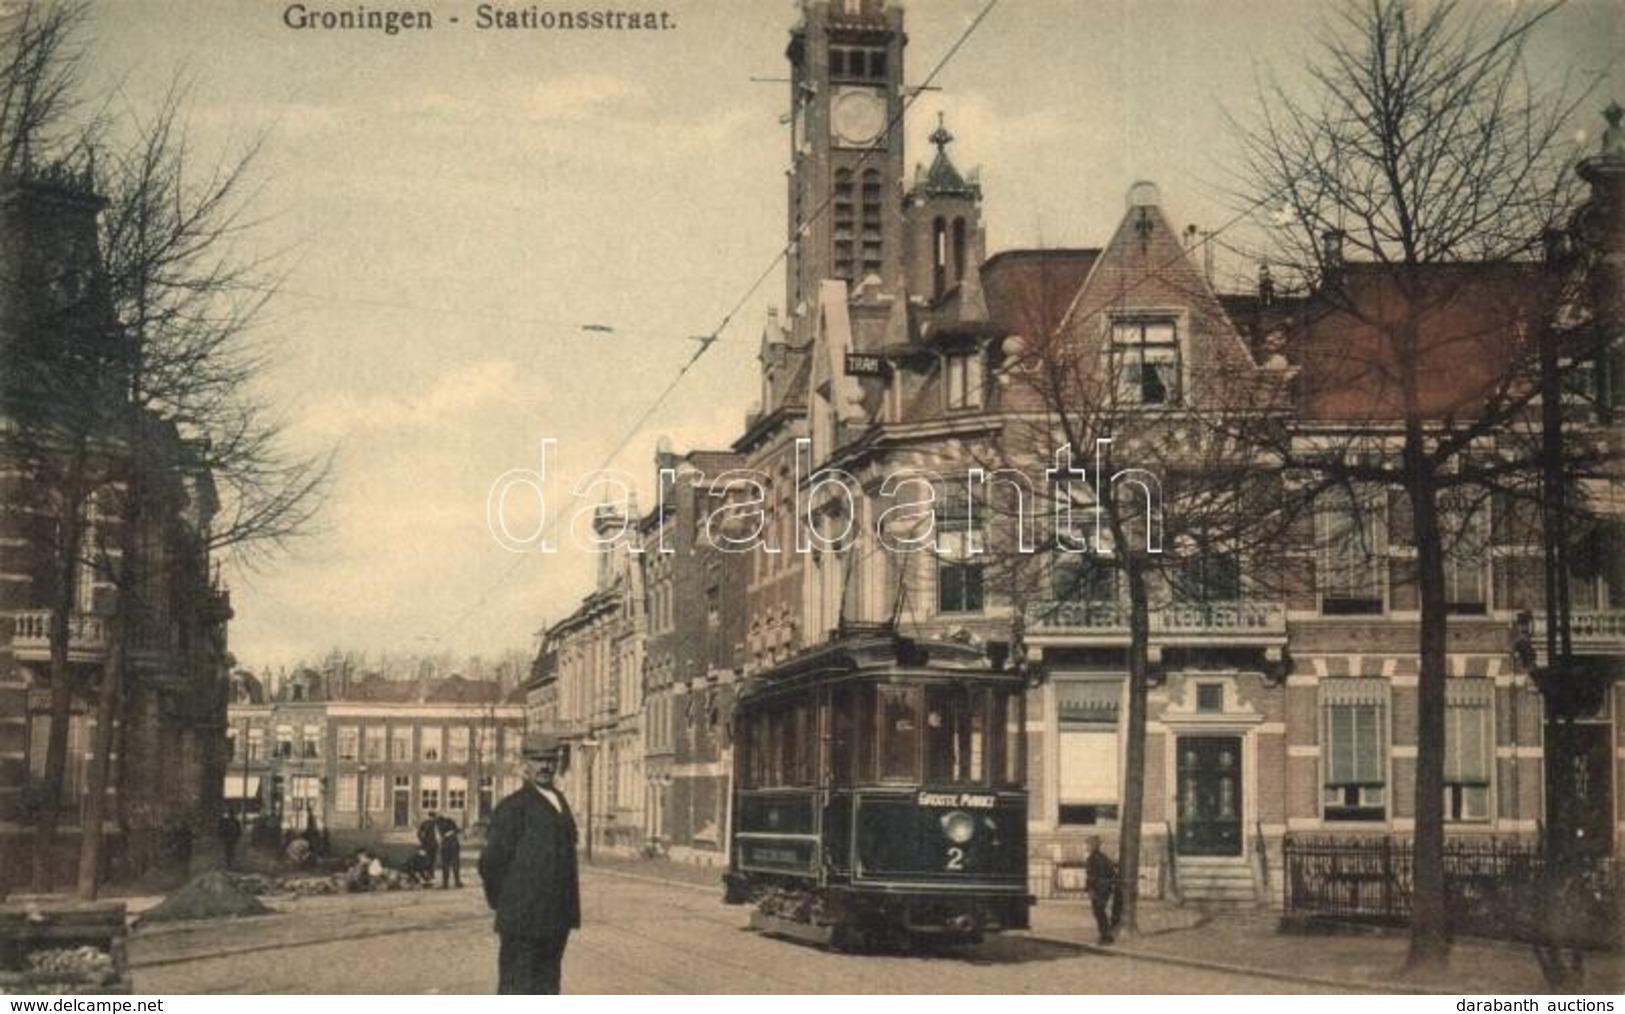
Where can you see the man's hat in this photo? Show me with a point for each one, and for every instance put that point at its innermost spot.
(541, 744)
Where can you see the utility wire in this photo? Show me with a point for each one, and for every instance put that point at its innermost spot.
(709, 339)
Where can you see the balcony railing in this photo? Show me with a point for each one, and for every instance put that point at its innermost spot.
(1227, 618)
(31, 639)
(1591, 630)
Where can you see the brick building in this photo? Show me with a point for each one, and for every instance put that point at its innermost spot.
(1283, 697)
(72, 447)
(367, 761)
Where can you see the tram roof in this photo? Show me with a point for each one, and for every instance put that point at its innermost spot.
(883, 654)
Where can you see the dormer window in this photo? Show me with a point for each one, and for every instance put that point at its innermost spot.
(963, 379)
(1145, 364)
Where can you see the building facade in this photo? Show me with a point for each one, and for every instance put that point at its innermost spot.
(907, 368)
(369, 761)
(111, 616)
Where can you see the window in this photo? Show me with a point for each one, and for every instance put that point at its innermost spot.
(310, 744)
(256, 744)
(400, 743)
(1468, 709)
(844, 219)
(429, 793)
(1208, 576)
(510, 745)
(955, 735)
(1210, 698)
(963, 376)
(374, 737)
(959, 577)
(430, 743)
(857, 63)
(485, 744)
(869, 221)
(1466, 558)
(1087, 713)
(1349, 533)
(349, 742)
(457, 745)
(488, 791)
(284, 742)
(1354, 749)
(958, 520)
(377, 796)
(304, 795)
(899, 733)
(456, 793)
(1145, 360)
(347, 794)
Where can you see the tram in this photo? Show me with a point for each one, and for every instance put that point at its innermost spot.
(879, 795)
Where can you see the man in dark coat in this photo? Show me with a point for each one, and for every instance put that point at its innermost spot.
(429, 839)
(530, 877)
(1100, 880)
(451, 852)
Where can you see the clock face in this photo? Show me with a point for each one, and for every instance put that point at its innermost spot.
(858, 116)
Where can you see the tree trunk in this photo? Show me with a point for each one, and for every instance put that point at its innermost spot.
(69, 534)
(1134, 753)
(1430, 930)
(109, 706)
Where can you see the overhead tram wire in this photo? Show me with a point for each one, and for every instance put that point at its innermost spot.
(727, 318)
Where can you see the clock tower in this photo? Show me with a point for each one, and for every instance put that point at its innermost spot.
(846, 160)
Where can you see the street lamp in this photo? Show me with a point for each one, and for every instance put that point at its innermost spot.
(589, 747)
(361, 795)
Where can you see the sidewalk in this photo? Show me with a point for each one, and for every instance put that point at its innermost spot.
(1248, 941)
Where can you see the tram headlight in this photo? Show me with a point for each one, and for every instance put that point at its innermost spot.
(959, 826)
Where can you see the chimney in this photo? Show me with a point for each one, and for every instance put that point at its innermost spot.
(1331, 253)
(1266, 287)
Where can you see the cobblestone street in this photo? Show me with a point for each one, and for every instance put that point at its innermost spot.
(661, 928)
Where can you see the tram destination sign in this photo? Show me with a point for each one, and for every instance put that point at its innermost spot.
(863, 364)
(963, 800)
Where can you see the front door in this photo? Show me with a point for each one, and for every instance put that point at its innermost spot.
(1579, 786)
(1209, 804)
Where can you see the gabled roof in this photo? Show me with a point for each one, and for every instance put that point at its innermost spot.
(1028, 291)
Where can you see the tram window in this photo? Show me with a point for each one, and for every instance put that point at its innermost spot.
(799, 748)
(863, 728)
(899, 734)
(844, 735)
(1004, 738)
(955, 723)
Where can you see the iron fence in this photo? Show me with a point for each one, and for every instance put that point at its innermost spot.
(1493, 888)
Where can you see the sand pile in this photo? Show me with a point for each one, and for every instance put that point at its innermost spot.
(209, 896)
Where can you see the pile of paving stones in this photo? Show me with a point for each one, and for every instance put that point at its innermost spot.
(308, 885)
(212, 895)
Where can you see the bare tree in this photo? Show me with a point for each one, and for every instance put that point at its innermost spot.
(1156, 526)
(148, 398)
(1408, 188)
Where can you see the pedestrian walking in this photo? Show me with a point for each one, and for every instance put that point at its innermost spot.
(1100, 880)
(528, 870)
(451, 852)
(231, 832)
(429, 839)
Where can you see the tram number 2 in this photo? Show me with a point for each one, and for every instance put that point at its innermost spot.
(956, 859)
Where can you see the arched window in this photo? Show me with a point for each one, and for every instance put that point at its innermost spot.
(871, 221)
(939, 257)
(845, 225)
(959, 250)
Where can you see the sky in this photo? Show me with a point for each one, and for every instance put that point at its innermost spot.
(491, 239)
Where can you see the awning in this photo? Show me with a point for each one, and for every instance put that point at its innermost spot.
(238, 787)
